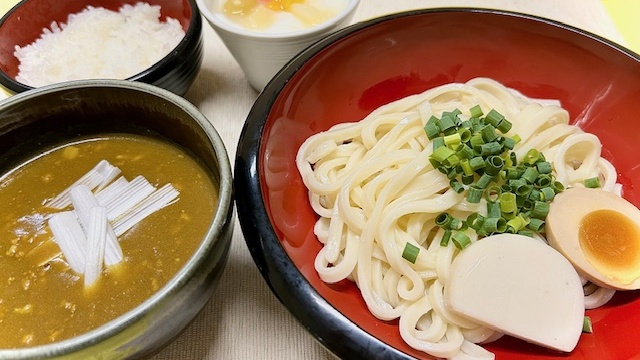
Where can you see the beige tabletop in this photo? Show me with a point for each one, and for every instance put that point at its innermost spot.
(243, 319)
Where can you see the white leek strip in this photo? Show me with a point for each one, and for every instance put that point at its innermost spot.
(108, 176)
(70, 238)
(83, 201)
(135, 191)
(156, 201)
(106, 194)
(96, 242)
(92, 179)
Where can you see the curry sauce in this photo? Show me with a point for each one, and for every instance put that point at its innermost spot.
(41, 299)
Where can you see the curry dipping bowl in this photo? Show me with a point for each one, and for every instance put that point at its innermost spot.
(32, 126)
(345, 76)
(176, 71)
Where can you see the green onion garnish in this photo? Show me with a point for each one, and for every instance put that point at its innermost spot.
(445, 238)
(477, 157)
(410, 252)
(587, 326)
(460, 240)
(476, 111)
(593, 182)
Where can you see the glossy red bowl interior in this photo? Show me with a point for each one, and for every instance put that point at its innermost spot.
(346, 76)
(25, 22)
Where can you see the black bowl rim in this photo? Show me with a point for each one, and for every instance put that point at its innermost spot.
(213, 241)
(325, 323)
(148, 75)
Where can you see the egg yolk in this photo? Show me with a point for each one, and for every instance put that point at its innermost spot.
(611, 243)
(281, 5)
(244, 7)
(239, 7)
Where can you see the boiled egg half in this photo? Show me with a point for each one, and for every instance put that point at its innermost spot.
(599, 233)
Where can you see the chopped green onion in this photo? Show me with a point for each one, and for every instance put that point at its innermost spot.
(445, 123)
(444, 220)
(587, 326)
(437, 143)
(460, 240)
(508, 143)
(476, 111)
(513, 173)
(475, 220)
(540, 209)
(557, 187)
(476, 140)
(530, 175)
(524, 190)
(457, 224)
(493, 209)
(544, 167)
(451, 161)
(465, 134)
(593, 182)
(490, 148)
(514, 159)
(493, 117)
(466, 167)
(547, 193)
(467, 179)
(488, 133)
(534, 195)
(544, 180)
(445, 238)
(536, 224)
(457, 186)
(517, 223)
(442, 153)
(494, 225)
(493, 165)
(410, 252)
(525, 232)
(432, 130)
(532, 156)
(476, 163)
(508, 202)
(504, 126)
(484, 181)
(465, 152)
(476, 157)
(527, 205)
(474, 195)
(492, 193)
(452, 140)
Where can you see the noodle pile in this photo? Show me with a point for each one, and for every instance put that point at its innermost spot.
(374, 189)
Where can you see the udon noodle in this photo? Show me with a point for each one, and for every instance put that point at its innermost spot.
(374, 190)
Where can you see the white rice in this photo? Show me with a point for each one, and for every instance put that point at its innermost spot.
(99, 43)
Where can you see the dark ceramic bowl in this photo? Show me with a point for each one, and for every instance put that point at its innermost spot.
(24, 23)
(352, 72)
(34, 120)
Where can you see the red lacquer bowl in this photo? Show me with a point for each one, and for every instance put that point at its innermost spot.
(347, 75)
(24, 23)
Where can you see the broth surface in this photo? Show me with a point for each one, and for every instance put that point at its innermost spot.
(41, 299)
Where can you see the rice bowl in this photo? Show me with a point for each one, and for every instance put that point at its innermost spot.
(174, 70)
